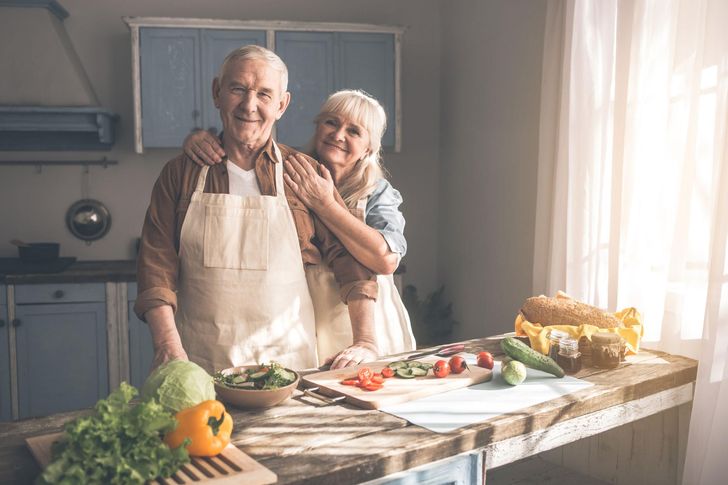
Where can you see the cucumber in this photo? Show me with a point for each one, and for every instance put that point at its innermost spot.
(405, 373)
(521, 352)
(400, 364)
(258, 375)
(417, 371)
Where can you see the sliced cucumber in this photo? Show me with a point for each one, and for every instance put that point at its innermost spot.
(417, 371)
(258, 375)
(400, 364)
(239, 379)
(405, 373)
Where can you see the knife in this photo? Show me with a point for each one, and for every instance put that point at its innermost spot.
(444, 351)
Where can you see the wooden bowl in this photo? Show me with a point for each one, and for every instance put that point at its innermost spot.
(254, 398)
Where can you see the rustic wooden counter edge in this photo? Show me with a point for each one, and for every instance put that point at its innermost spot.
(79, 272)
(303, 442)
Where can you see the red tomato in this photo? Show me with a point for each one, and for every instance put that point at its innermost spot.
(364, 374)
(485, 359)
(377, 379)
(388, 372)
(441, 369)
(350, 382)
(458, 364)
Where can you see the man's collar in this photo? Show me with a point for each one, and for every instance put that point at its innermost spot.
(274, 153)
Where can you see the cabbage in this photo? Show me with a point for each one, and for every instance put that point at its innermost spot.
(178, 384)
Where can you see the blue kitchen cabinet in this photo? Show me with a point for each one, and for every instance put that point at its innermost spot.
(5, 402)
(61, 347)
(309, 57)
(464, 469)
(141, 351)
(177, 66)
(320, 63)
(170, 85)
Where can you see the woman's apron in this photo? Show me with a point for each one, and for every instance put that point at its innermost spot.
(333, 326)
(243, 296)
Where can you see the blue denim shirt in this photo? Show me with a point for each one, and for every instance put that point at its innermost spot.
(383, 214)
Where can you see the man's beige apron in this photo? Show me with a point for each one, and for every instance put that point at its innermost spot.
(243, 297)
(333, 326)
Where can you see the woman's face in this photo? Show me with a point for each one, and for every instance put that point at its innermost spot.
(340, 142)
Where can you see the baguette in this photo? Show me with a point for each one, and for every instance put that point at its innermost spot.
(566, 311)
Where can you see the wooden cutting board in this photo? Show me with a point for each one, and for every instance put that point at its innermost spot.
(230, 466)
(396, 390)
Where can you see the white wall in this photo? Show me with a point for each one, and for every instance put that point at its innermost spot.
(491, 75)
(34, 205)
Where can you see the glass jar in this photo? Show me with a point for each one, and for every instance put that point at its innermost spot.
(554, 336)
(606, 350)
(569, 357)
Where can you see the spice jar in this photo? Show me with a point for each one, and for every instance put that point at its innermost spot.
(606, 349)
(554, 336)
(569, 357)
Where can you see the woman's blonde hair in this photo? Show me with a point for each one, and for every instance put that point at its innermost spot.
(365, 111)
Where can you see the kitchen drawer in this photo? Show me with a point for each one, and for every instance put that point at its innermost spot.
(60, 293)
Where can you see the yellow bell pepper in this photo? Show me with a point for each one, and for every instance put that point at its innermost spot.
(208, 434)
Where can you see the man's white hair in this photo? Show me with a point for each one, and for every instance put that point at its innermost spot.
(256, 52)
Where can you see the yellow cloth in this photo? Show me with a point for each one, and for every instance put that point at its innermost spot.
(631, 330)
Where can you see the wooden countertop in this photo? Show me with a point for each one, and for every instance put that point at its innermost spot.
(79, 272)
(306, 442)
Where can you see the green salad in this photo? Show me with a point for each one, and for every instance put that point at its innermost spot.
(265, 376)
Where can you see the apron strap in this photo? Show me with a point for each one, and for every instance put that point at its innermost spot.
(361, 208)
(280, 187)
(201, 179)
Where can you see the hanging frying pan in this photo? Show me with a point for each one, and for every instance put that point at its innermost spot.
(88, 219)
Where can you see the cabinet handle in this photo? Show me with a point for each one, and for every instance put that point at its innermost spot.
(16, 322)
(58, 294)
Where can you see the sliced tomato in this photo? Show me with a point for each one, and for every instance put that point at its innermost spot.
(377, 379)
(363, 383)
(350, 382)
(387, 372)
(365, 374)
(372, 386)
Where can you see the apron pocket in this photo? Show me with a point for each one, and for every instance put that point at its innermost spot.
(236, 238)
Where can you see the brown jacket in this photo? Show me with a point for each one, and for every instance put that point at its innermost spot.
(158, 261)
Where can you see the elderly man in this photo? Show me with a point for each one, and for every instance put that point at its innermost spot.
(225, 246)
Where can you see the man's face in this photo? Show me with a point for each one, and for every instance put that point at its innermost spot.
(250, 100)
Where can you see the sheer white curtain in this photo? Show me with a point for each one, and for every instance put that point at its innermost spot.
(633, 183)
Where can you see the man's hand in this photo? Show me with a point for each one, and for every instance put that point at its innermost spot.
(354, 355)
(165, 338)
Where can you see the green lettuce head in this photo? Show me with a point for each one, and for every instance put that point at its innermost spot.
(178, 384)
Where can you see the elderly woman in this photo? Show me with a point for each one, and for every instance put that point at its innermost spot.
(347, 140)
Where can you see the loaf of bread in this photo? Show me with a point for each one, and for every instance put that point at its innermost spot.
(566, 311)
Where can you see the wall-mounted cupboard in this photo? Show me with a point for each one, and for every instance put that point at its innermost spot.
(175, 60)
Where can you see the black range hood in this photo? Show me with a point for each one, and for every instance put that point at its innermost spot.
(56, 128)
(47, 101)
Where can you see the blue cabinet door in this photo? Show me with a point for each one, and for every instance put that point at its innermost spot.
(141, 351)
(366, 61)
(170, 85)
(5, 403)
(216, 45)
(309, 57)
(61, 357)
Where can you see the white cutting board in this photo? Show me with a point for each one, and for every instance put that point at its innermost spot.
(454, 409)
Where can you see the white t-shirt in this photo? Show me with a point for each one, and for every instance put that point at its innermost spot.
(242, 182)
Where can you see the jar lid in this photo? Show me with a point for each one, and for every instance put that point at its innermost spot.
(557, 334)
(605, 338)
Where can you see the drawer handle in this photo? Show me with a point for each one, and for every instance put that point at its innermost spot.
(58, 294)
(16, 322)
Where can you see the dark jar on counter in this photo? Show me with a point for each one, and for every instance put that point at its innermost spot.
(554, 337)
(569, 357)
(606, 350)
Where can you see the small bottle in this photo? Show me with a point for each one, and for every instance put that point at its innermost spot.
(606, 350)
(554, 337)
(569, 357)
